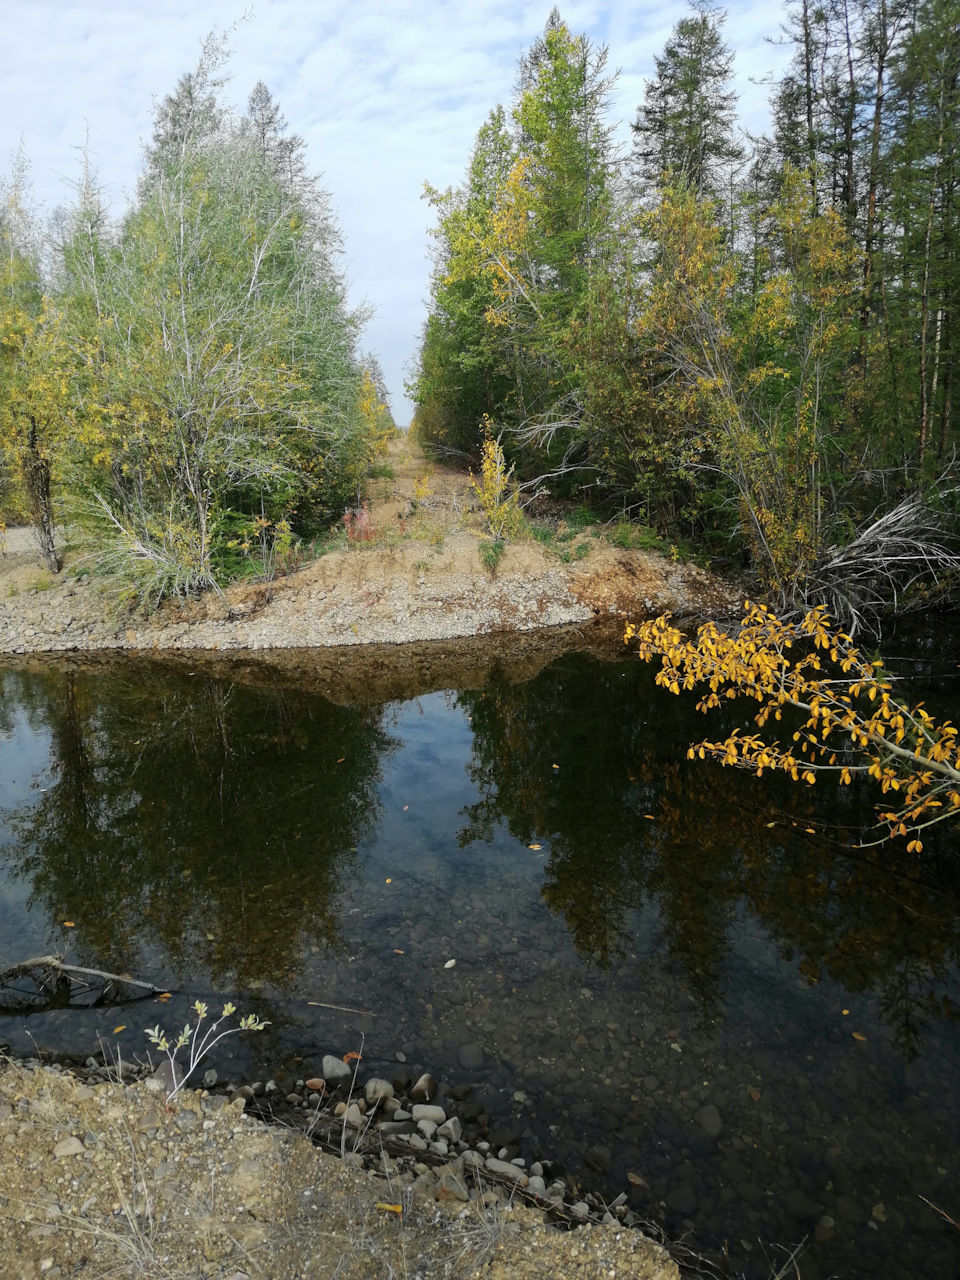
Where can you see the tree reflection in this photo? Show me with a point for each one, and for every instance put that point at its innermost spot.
(216, 822)
(629, 821)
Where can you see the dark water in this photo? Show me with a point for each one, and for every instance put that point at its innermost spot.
(335, 827)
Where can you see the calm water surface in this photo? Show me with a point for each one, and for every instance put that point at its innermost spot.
(636, 937)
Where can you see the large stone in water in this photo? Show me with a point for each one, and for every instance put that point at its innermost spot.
(425, 1090)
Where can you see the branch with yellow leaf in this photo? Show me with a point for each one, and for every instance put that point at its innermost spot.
(851, 724)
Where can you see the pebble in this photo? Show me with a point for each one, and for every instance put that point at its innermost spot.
(377, 1090)
(68, 1147)
(507, 1170)
(425, 1090)
(708, 1118)
(335, 1071)
(423, 1111)
(451, 1129)
(470, 1056)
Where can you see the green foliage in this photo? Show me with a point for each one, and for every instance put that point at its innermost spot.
(192, 397)
(491, 553)
(758, 354)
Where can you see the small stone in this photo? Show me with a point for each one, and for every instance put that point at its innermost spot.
(423, 1188)
(580, 1210)
(314, 1084)
(682, 1200)
(68, 1147)
(424, 1112)
(428, 1128)
(470, 1056)
(450, 1187)
(425, 1090)
(507, 1170)
(354, 1116)
(376, 1090)
(847, 1210)
(335, 1071)
(293, 1099)
(598, 1158)
(210, 1079)
(451, 1129)
(450, 964)
(708, 1118)
(800, 1207)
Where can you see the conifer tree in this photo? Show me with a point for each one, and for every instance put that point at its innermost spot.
(686, 123)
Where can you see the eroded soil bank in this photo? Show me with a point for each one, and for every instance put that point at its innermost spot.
(420, 577)
(111, 1179)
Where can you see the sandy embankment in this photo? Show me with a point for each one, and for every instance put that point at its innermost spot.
(421, 579)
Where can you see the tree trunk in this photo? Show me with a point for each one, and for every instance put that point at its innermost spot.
(36, 474)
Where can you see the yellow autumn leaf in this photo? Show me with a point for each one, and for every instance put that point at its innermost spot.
(858, 1036)
(534, 846)
(390, 1208)
(122, 1027)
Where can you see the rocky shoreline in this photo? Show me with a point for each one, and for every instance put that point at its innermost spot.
(346, 1128)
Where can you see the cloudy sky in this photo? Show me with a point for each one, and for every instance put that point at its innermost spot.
(387, 93)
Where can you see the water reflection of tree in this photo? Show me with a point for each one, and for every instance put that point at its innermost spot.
(212, 820)
(717, 841)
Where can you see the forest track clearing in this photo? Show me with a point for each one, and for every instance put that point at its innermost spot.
(409, 568)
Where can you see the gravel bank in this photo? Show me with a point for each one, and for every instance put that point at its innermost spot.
(363, 595)
(110, 1178)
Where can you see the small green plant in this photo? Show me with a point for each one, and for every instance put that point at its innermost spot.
(491, 553)
(436, 538)
(380, 471)
(582, 518)
(622, 535)
(13, 590)
(198, 1046)
(581, 550)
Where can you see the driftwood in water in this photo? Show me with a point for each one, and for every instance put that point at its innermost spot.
(52, 976)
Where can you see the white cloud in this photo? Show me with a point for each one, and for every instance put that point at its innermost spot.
(387, 93)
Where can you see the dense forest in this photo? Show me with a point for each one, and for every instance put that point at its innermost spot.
(182, 387)
(749, 343)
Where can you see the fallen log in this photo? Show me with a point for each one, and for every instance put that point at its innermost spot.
(75, 972)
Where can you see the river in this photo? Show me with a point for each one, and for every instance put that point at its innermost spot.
(674, 971)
